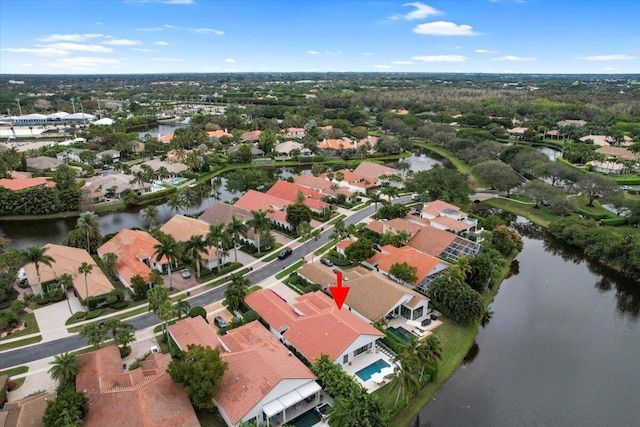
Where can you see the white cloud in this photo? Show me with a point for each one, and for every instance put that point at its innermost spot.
(161, 43)
(177, 1)
(209, 31)
(144, 49)
(514, 58)
(367, 54)
(444, 28)
(150, 29)
(336, 52)
(382, 67)
(122, 42)
(421, 11)
(83, 61)
(163, 59)
(610, 57)
(230, 60)
(313, 52)
(609, 69)
(402, 62)
(486, 51)
(80, 47)
(440, 58)
(68, 37)
(46, 51)
(98, 23)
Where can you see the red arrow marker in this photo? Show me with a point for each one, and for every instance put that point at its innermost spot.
(339, 293)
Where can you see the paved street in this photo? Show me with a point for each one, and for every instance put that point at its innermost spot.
(38, 351)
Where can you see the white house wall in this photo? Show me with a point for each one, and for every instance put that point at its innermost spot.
(361, 341)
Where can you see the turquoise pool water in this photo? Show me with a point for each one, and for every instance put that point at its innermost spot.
(176, 181)
(365, 373)
(307, 419)
(401, 333)
(156, 187)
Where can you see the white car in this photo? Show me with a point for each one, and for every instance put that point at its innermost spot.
(154, 349)
(185, 273)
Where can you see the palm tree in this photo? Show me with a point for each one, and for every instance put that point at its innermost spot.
(236, 228)
(94, 333)
(150, 213)
(166, 312)
(390, 192)
(403, 166)
(216, 237)
(64, 368)
(89, 223)
(37, 255)
(110, 261)
(406, 381)
(124, 337)
(65, 280)
(85, 269)
(375, 198)
(315, 235)
(175, 203)
(169, 248)
(259, 222)
(194, 248)
(304, 230)
(428, 351)
(339, 231)
(183, 307)
(234, 296)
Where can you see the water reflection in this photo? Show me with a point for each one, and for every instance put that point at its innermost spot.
(471, 354)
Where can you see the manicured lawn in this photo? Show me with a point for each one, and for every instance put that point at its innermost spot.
(325, 247)
(20, 343)
(289, 270)
(541, 216)
(15, 371)
(336, 219)
(32, 326)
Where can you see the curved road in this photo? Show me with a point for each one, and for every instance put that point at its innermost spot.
(24, 355)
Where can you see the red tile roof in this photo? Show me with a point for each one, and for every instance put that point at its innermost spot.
(255, 200)
(374, 170)
(320, 184)
(17, 184)
(251, 136)
(337, 144)
(316, 326)
(166, 138)
(289, 191)
(219, 134)
(194, 330)
(434, 209)
(145, 396)
(355, 179)
(432, 241)
(391, 255)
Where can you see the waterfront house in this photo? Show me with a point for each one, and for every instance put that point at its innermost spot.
(252, 136)
(98, 187)
(446, 216)
(443, 244)
(17, 184)
(263, 383)
(43, 163)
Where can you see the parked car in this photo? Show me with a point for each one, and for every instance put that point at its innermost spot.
(220, 322)
(433, 317)
(377, 247)
(154, 349)
(415, 197)
(185, 273)
(284, 253)
(326, 262)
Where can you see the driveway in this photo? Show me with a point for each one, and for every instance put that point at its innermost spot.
(51, 318)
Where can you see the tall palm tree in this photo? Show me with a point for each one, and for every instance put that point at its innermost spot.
(183, 307)
(166, 312)
(89, 223)
(217, 237)
(259, 222)
(86, 268)
(65, 280)
(390, 192)
(428, 351)
(194, 248)
(175, 203)
(110, 261)
(150, 213)
(167, 247)
(304, 230)
(315, 236)
(94, 333)
(236, 228)
(375, 198)
(37, 255)
(405, 379)
(64, 368)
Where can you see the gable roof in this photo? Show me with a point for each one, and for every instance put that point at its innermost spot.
(221, 213)
(289, 191)
(251, 136)
(145, 396)
(43, 162)
(391, 255)
(254, 200)
(432, 241)
(316, 326)
(320, 184)
(374, 295)
(438, 207)
(98, 185)
(67, 260)
(18, 184)
(219, 134)
(132, 246)
(317, 274)
(337, 144)
(182, 228)
(27, 412)
(374, 170)
(256, 362)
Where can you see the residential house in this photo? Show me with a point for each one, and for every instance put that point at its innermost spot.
(446, 216)
(19, 174)
(317, 274)
(18, 184)
(428, 267)
(144, 397)
(255, 151)
(27, 412)
(136, 254)
(165, 138)
(608, 166)
(70, 155)
(313, 325)
(115, 155)
(67, 260)
(43, 163)
(297, 133)
(182, 228)
(354, 182)
(606, 141)
(579, 123)
(219, 134)
(395, 225)
(337, 146)
(285, 148)
(373, 297)
(375, 171)
(289, 191)
(222, 213)
(443, 244)
(517, 132)
(322, 185)
(112, 186)
(155, 164)
(253, 136)
(369, 140)
(263, 382)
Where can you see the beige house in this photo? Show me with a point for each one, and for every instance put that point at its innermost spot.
(68, 260)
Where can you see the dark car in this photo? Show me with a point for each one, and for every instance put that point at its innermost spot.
(433, 317)
(326, 262)
(284, 253)
(220, 322)
(377, 247)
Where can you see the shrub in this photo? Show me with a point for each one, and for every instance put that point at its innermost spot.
(124, 352)
(79, 315)
(119, 305)
(136, 363)
(198, 311)
(613, 222)
(93, 314)
(42, 300)
(10, 385)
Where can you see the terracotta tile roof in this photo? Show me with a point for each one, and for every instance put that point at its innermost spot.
(450, 223)
(256, 362)
(619, 152)
(251, 136)
(295, 133)
(337, 144)
(376, 226)
(316, 326)
(318, 274)
(67, 260)
(320, 184)
(371, 140)
(432, 241)
(219, 134)
(166, 138)
(374, 170)
(182, 228)
(24, 183)
(289, 191)
(27, 412)
(221, 213)
(391, 255)
(400, 224)
(255, 200)
(345, 243)
(132, 246)
(436, 208)
(374, 295)
(145, 396)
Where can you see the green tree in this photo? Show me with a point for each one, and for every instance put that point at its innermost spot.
(37, 255)
(157, 296)
(297, 213)
(89, 224)
(124, 337)
(245, 180)
(496, 175)
(537, 191)
(150, 213)
(259, 222)
(64, 368)
(110, 261)
(235, 292)
(267, 141)
(485, 270)
(315, 236)
(194, 248)
(94, 334)
(85, 269)
(67, 410)
(593, 185)
(139, 286)
(65, 280)
(166, 312)
(304, 230)
(219, 239)
(183, 306)
(405, 381)
(404, 272)
(200, 371)
(375, 198)
(169, 248)
(236, 229)
(506, 240)
(360, 250)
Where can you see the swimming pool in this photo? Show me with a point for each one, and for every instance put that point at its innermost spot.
(401, 333)
(156, 187)
(307, 419)
(176, 181)
(365, 373)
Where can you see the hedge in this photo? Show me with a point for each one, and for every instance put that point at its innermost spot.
(594, 215)
(613, 222)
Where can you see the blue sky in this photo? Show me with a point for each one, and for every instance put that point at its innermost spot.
(157, 36)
